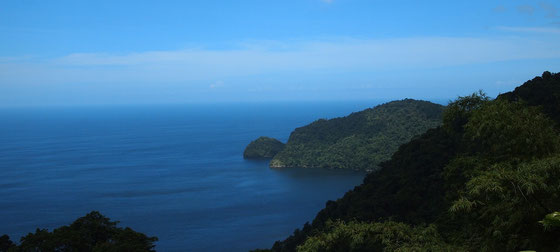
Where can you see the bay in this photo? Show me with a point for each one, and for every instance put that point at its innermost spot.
(171, 171)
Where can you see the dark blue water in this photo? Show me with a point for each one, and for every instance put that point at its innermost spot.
(175, 172)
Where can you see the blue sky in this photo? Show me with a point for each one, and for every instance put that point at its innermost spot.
(147, 52)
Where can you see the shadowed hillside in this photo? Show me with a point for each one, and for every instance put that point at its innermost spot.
(361, 140)
(486, 180)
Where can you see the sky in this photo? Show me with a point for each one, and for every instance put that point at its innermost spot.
(158, 52)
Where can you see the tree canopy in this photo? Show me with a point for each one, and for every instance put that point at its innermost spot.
(92, 232)
(263, 147)
(361, 140)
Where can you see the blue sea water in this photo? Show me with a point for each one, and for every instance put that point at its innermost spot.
(174, 171)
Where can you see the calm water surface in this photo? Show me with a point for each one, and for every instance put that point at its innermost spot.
(175, 172)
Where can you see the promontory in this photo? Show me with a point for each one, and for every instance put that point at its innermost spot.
(263, 148)
(361, 140)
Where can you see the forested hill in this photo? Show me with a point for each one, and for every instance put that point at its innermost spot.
(263, 147)
(488, 179)
(360, 140)
(541, 91)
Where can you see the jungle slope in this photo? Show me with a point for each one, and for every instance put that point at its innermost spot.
(360, 140)
(481, 181)
(263, 148)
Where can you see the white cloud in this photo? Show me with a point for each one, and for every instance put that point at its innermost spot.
(262, 58)
(550, 30)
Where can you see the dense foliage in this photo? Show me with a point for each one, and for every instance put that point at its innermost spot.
(551, 220)
(361, 140)
(389, 236)
(93, 232)
(263, 147)
(6, 243)
(542, 91)
(488, 179)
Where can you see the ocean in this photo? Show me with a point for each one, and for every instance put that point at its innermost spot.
(171, 171)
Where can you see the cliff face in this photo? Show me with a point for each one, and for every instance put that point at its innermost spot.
(360, 140)
(262, 148)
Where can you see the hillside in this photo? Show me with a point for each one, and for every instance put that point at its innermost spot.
(360, 140)
(263, 147)
(488, 179)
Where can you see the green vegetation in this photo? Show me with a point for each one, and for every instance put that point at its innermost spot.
(361, 140)
(389, 236)
(551, 221)
(488, 179)
(263, 147)
(93, 232)
(6, 243)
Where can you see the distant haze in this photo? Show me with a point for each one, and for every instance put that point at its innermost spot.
(143, 52)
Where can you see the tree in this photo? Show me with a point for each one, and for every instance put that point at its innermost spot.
(93, 232)
(458, 112)
(503, 130)
(6, 243)
(505, 203)
(551, 221)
